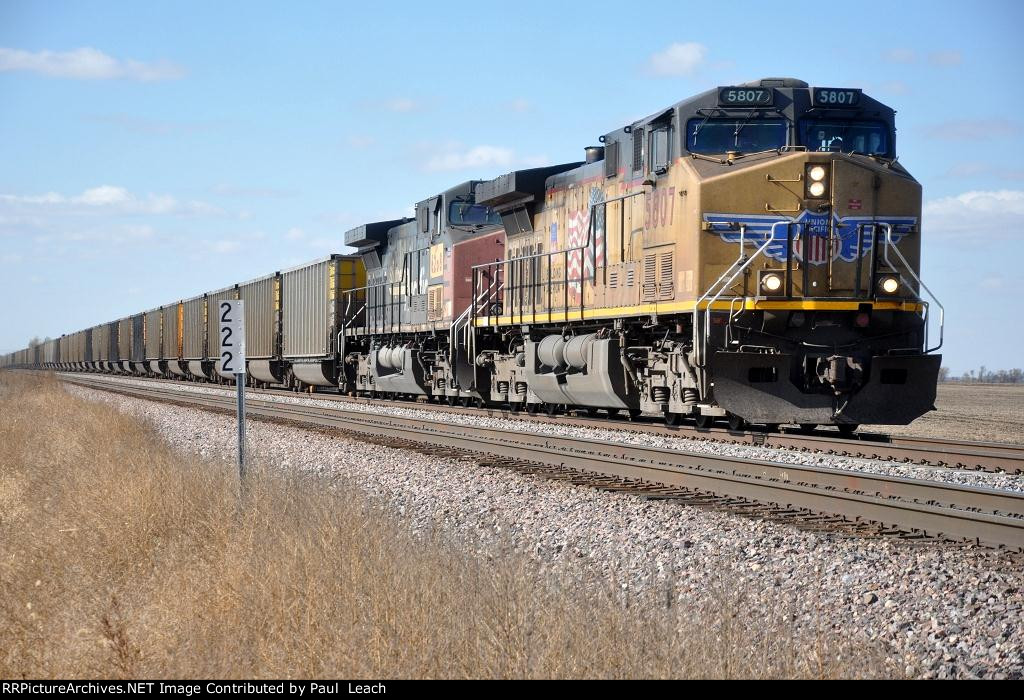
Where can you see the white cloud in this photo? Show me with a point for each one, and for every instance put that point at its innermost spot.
(455, 156)
(85, 64)
(360, 142)
(678, 59)
(975, 215)
(104, 194)
(899, 55)
(402, 104)
(519, 105)
(225, 246)
(945, 59)
(110, 199)
(295, 233)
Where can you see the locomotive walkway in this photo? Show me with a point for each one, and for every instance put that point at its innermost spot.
(808, 496)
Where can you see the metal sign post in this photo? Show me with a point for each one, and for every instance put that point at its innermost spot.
(232, 361)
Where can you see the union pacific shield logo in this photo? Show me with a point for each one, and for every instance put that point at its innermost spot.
(813, 242)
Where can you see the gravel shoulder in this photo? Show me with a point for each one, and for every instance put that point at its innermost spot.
(939, 611)
(624, 435)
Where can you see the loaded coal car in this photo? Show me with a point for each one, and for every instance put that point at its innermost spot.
(50, 354)
(100, 336)
(86, 360)
(261, 298)
(312, 318)
(137, 344)
(750, 253)
(124, 345)
(153, 340)
(193, 336)
(172, 326)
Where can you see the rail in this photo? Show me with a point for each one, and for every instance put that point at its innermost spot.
(992, 517)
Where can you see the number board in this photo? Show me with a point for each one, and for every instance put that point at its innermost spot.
(836, 97)
(745, 97)
(231, 317)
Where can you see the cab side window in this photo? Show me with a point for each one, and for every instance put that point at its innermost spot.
(659, 150)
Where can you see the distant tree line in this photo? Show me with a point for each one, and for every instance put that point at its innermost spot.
(984, 376)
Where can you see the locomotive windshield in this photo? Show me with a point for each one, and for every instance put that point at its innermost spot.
(471, 214)
(747, 135)
(845, 136)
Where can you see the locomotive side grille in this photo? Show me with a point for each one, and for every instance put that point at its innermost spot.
(650, 287)
(665, 276)
(613, 279)
(638, 149)
(630, 277)
(435, 303)
(611, 159)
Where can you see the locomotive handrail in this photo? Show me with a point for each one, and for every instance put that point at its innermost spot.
(741, 263)
(498, 264)
(889, 243)
(462, 323)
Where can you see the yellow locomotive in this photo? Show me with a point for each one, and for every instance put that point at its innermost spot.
(751, 253)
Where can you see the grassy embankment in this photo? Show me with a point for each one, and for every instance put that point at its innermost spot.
(122, 558)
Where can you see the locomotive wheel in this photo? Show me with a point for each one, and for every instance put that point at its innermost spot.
(613, 413)
(532, 408)
(634, 413)
(551, 409)
(808, 427)
(466, 401)
(703, 422)
(672, 419)
(848, 429)
(736, 424)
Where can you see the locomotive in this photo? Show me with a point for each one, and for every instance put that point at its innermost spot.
(750, 254)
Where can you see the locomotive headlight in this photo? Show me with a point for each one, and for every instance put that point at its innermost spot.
(771, 283)
(816, 181)
(888, 284)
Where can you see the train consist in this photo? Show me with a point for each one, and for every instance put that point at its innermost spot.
(750, 254)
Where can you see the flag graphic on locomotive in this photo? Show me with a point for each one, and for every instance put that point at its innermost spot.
(751, 253)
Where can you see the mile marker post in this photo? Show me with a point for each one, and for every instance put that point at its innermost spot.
(232, 361)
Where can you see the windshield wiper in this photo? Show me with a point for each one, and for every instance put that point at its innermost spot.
(739, 127)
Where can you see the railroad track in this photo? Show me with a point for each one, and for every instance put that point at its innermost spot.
(867, 504)
(971, 456)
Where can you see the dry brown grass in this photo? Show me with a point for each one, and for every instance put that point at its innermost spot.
(121, 558)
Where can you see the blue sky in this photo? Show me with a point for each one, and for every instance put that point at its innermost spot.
(158, 150)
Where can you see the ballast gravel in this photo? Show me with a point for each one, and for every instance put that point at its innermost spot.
(1010, 482)
(941, 611)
